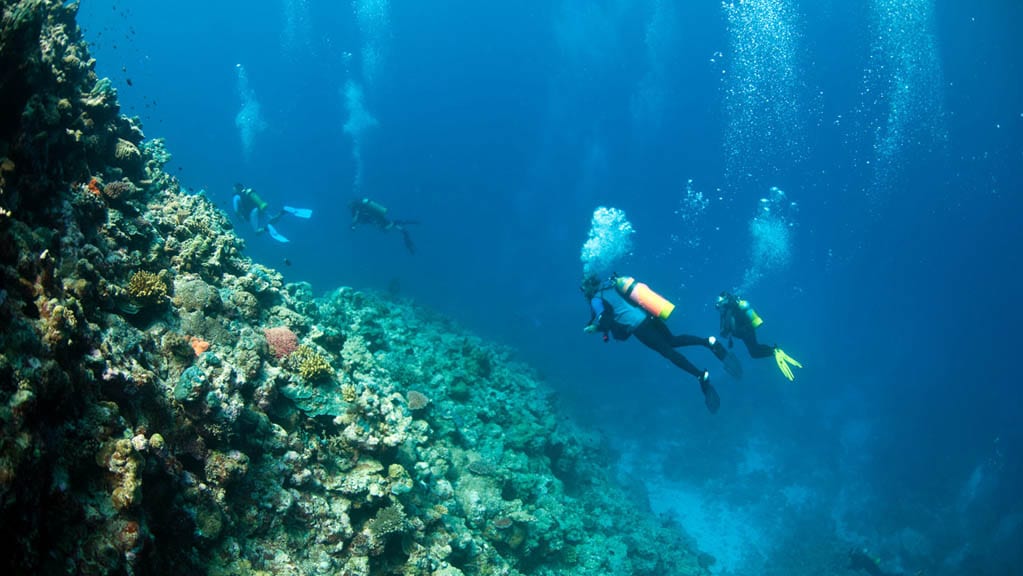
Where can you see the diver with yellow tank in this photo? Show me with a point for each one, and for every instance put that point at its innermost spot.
(740, 320)
(623, 307)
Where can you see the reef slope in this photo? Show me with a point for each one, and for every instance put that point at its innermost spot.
(169, 406)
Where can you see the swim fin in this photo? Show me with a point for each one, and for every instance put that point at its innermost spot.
(728, 360)
(784, 360)
(275, 234)
(299, 212)
(408, 241)
(710, 395)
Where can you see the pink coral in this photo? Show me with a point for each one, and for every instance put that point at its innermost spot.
(282, 340)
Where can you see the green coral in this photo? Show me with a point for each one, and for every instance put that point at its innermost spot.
(309, 364)
(147, 286)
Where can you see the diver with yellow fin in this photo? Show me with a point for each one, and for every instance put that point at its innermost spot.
(624, 307)
(740, 320)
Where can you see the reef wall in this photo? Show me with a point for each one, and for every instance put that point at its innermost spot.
(170, 407)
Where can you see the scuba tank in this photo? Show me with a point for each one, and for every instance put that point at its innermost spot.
(251, 196)
(750, 313)
(374, 206)
(641, 295)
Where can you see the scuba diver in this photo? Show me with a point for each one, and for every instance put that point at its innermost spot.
(740, 320)
(632, 308)
(247, 204)
(366, 211)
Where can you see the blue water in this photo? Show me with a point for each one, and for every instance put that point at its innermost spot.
(895, 128)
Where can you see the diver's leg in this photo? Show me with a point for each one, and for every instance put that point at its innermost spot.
(680, 340)
(660, 341)
(756, 349)
(254, 220)
(657, 337)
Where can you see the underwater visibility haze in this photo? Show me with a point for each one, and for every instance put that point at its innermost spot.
(294, 287)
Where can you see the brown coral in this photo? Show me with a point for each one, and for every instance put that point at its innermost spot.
(482, 468)
(117, 189)
(417, 400)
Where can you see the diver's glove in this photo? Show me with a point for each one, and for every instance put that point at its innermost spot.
(590, 328)
(784, 360)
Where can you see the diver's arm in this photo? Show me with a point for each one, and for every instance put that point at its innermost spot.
(596, 310)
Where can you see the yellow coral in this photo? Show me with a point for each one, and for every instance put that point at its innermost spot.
(349, 393)
(311, 365)
(146, 286)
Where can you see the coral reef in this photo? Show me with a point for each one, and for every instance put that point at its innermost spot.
(183, 438)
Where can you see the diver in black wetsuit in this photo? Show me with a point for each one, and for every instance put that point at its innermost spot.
(739, 320)
(366, 211)
(612, 314)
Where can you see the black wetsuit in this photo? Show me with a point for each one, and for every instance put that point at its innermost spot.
(735, 323)
(621, 319)
(366, 211)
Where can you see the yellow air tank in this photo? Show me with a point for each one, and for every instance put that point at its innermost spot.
(754, 318)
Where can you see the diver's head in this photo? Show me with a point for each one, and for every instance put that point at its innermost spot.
(590, 285)
(238, 188)
(723, 299)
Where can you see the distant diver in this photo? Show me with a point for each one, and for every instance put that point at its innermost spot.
(623, 307)
(860, 560)
(366, 211)
(740, 320)
(247, 204)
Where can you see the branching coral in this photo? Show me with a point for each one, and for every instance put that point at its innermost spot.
(309, 364)
(146, 286)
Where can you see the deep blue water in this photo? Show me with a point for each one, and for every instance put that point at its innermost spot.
(895, 127)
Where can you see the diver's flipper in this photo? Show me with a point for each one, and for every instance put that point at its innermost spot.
(710, 397)
(299, 212)
(732, 366)
(784, 360)
(275, 234)
(728, 360)
(408, 241)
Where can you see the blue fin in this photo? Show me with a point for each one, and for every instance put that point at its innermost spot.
(275, 234)
(300, 212)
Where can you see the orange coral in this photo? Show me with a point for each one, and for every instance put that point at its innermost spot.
(199, 345)
(94, 186)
